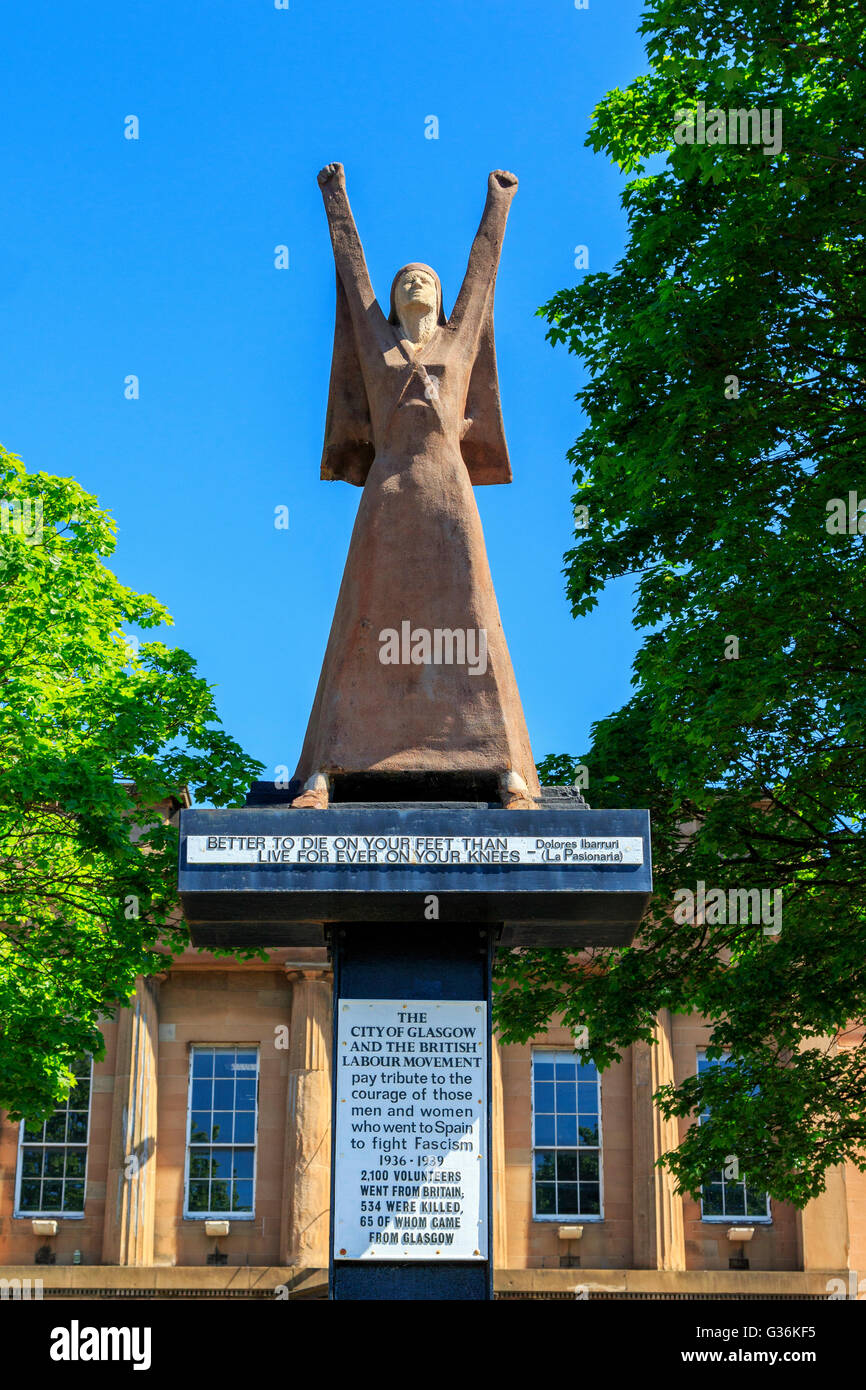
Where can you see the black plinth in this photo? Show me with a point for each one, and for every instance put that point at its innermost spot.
(418, 962)
(273, 876)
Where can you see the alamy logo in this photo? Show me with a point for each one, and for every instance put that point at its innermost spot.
(19, 518)
(21, 1288)
(740, 127)
(444, 646)
(846, 519)
(76, 1343)
(738, 906)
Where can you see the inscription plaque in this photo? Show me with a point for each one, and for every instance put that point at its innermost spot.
(410, 1152)
(410, 850)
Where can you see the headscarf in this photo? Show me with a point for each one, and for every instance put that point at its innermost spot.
(393, 316)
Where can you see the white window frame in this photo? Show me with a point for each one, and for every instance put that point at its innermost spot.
(20, 1215)
(729, 1220)
(220, 1215)
(543, 1053)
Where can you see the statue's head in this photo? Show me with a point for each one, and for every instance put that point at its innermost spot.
(416, 287)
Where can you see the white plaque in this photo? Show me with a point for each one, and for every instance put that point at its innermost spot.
(579, 851)
(410, 1179)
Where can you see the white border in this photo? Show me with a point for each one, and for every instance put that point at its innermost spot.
(375, 1254)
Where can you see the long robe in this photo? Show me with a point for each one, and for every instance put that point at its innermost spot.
(417, 553)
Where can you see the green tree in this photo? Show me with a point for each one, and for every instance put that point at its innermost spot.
(724, 443)
(97, 732)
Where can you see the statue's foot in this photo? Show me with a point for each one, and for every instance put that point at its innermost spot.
(311, 801)
(315, 796)
(518, 803)
(515, 794)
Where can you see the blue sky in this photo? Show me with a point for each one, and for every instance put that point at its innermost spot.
(155, 257)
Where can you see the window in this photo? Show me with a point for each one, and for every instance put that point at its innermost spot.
(566, 1136)
(52, 1154)
(726, 1196)
(221, 1136)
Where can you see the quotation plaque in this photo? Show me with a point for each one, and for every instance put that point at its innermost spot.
(410, 1170)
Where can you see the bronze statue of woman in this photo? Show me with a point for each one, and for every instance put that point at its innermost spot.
(416, 677)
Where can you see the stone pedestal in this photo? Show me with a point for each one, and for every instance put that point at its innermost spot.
(130, 1192)
(659, 1241)
(308, 1135)
(413, 897)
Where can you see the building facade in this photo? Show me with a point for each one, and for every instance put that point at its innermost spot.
(193, 1161)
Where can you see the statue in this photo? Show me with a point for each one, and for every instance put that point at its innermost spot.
(416, 677)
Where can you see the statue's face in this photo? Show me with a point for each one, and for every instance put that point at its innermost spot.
(416, 289)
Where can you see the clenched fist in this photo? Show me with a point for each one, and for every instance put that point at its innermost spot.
(500, 179)
(331, 173)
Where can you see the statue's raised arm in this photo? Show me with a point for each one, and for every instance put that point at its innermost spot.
(480, 277)
(348, 251)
